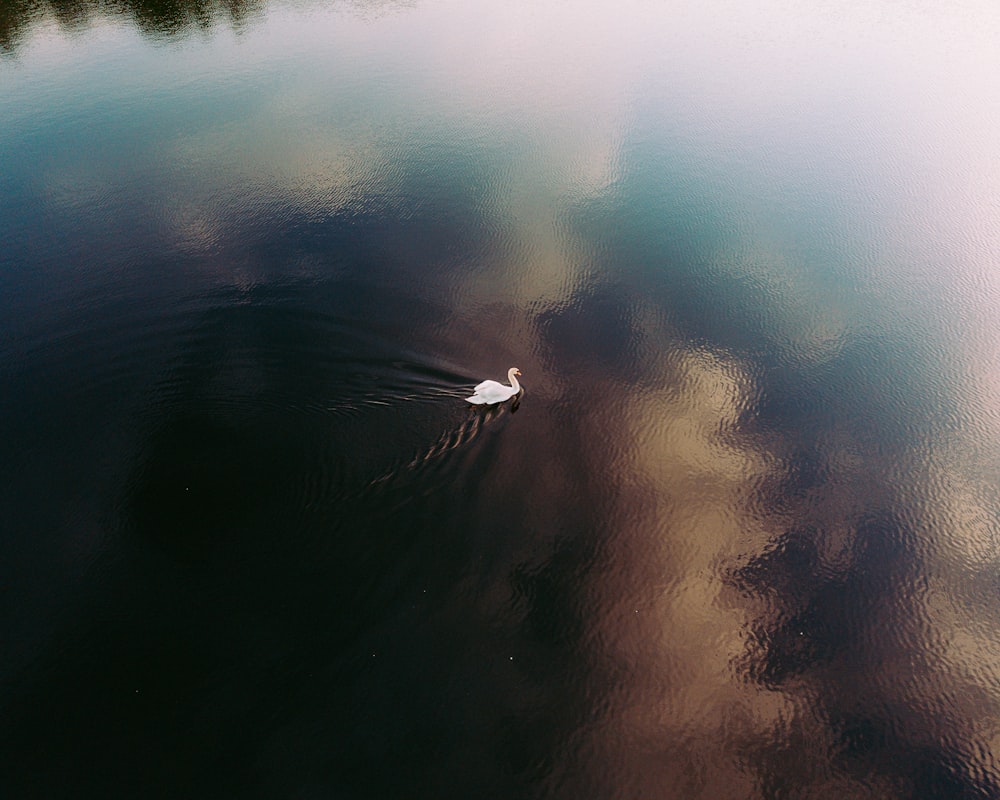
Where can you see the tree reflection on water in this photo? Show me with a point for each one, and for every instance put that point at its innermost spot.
(155, 18)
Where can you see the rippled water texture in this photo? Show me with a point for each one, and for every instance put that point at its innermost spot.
(740, 537)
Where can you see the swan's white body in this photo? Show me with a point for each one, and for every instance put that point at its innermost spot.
(490, 392)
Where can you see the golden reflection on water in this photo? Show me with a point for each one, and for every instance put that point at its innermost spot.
(679, 634)
(658, 619)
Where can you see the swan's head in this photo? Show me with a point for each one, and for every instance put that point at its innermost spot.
(517, 372)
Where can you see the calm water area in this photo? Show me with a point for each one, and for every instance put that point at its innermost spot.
(738, 539)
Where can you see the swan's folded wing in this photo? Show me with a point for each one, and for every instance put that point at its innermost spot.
(486, 385)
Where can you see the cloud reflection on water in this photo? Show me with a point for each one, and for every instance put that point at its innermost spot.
(755, 547)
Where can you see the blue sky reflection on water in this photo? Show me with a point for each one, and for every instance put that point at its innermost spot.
(741, 539)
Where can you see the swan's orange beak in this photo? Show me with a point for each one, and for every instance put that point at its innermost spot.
(517, 372)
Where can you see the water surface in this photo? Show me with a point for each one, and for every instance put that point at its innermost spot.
(739, 538)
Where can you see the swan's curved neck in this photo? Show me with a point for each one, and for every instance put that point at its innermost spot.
(513, 381)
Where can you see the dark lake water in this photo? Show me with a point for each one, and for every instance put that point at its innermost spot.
(738, 538)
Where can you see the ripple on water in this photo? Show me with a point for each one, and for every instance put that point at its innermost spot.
(257, 420)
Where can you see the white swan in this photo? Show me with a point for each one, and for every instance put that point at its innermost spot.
(490, 392)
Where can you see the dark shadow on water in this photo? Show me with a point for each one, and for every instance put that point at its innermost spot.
(289, 592)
